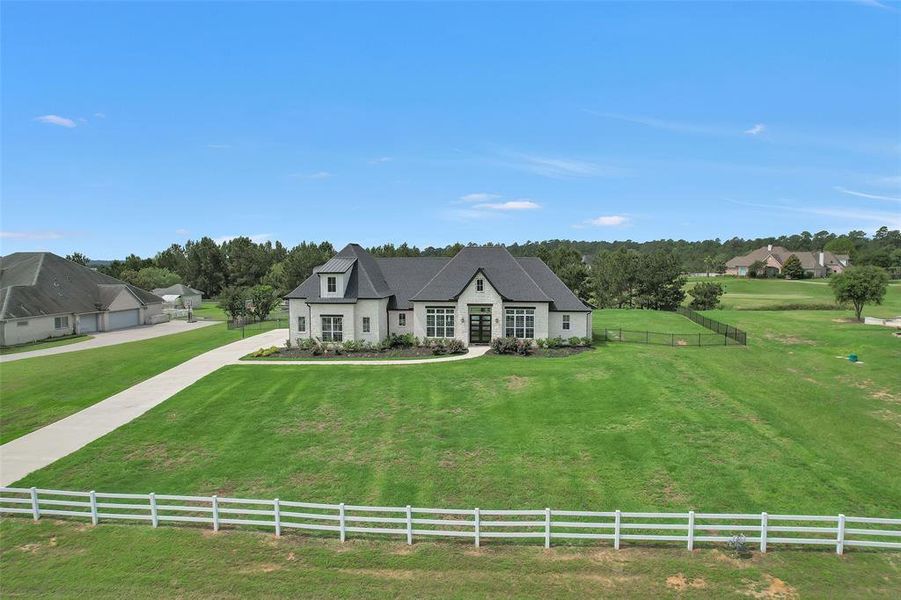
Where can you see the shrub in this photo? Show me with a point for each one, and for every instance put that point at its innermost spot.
(288, 344)
(587, 342)
(541, 343)
(575, 341)
(264, 352)
(556, 342)
(705, 295)
(505, 345)
(439, 346)
(350, 346)
(406, 340)
(455, 346)
(524, 347)
(316, 347)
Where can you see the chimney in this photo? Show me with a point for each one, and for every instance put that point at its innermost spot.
(822, 258)
(769, 247)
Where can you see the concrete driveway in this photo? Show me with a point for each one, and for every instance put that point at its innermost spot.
(39, 448)
(111, 338)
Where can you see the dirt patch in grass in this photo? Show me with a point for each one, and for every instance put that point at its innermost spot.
(391, 574)
(516, 383)
(788, 340)
(261, 568)
(680, 582)
(771, 588)
(161, 456)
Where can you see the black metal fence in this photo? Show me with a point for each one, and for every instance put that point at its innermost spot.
(246, 324)
(667, 339)
(730, 332)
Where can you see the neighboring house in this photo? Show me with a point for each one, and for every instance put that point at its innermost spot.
(480, 294)
(815, 264)
(43, 295)
(180, 296)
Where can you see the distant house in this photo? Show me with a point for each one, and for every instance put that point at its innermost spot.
(43, 295)
(180, 296)
(815, 264)
(480, 294)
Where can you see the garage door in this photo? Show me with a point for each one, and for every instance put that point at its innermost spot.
(87, 323)
(119, 319)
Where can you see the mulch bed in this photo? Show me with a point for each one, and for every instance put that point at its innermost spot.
(297, 354)
(548, 352)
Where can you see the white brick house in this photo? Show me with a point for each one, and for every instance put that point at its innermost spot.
(480, 294)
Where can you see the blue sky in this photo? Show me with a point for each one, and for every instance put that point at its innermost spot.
(127, 127)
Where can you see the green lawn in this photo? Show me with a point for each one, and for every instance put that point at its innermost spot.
(782, 425)
(65, 559)
(209, 309)
(742, 293)
(64, 341)
(40, 390)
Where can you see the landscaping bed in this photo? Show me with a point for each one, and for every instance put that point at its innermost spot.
(547, 352)
(372, 354)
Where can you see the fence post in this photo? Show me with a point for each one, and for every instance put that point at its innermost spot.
(699, 340)
(341, 524)
(477, 524)
(409, 525)
(840, 538)
(94, 518)
(616, 529)
(672, 340)
(763, 526)
(154, 517)
(547, 527)
(214, 499)
(277, 510)
(35, 509)
(691, 530)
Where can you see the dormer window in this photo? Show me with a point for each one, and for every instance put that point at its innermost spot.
(480, 285)
(331, 284)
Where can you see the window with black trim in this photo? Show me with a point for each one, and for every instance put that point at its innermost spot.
(565, 321)
(402, 319)
(301, 323)
(439, 322)
(332, 329)
(61, 322)
(519, 323)
(480, 285)
(331, 284)
(365, 324)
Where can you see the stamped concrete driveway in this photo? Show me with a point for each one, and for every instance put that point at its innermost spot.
(39, 448)
(111, 338)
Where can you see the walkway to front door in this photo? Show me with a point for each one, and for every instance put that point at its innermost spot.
(479, 324)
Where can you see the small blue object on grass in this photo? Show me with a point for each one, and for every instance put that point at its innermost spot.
(852, 357)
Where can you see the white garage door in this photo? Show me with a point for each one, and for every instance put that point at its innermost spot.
(120, 319)
(87, 323)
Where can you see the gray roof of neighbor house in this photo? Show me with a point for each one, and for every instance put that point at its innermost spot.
(179, 289)
(809, 260)
(406, 279)
(42, 283)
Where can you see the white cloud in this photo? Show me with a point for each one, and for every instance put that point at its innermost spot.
(56, 120)
(380, 160)
(522, 204)
(479, 197)
(889, 181)
(256, 238)
(876, 4)
(564, 168)
(316, 175)
(608, 221)
(678, 126)
(756, 130)
(32, 235)
(865, 195)
(850, 217)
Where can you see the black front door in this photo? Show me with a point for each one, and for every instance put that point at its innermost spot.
(480, 328)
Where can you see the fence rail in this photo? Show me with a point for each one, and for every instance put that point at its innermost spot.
(728, 331)
(408, 522)
(618, 334)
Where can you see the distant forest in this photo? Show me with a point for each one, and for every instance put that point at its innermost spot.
(242, 263)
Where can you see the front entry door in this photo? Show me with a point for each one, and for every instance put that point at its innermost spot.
(480, 328)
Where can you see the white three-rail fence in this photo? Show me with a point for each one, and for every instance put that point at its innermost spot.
(407, 522)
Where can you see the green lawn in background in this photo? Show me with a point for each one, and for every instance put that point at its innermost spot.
(64, 341)
(782, 425)
(67, 559)
(38, 391)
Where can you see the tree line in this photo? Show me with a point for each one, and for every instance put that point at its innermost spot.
(621, 273)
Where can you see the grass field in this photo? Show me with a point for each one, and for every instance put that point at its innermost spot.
(40, 390)
(759, 294)
(209, 309)
(64, 341)
(120, 561)
(783, 425)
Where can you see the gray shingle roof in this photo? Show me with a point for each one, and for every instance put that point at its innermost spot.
(504, 272)
(42, 283)
(179, 289)
(809, 260)
(405, 279)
